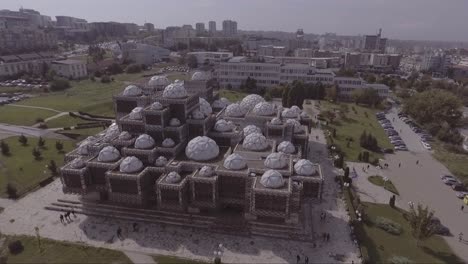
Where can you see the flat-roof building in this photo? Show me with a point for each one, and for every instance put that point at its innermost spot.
(73, 69)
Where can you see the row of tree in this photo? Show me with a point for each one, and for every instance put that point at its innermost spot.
(297, 91)
(368, 141)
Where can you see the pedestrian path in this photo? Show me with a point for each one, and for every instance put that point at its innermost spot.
(139, 258)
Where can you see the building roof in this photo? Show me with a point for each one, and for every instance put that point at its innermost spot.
(69, 62)
(238, 59)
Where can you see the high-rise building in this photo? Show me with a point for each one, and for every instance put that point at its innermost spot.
(149, 27)
(376, 43)
(200, 28)
(212, 27)
(229, 28)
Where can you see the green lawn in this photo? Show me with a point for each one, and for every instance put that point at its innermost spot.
(382, 246)
(22, 170)
(456, 163)
(232, 95)
(351, 124)
(379, 181)
(64, 121)
(22, 116)
(61, 252)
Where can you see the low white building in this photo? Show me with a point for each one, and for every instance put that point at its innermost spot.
(347, 86)
(211, 57)
(73, 69)
(143, 53)
(24, 63)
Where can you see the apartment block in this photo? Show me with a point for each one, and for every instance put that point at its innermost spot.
(32, 63)
(211, 57)
(73, 69)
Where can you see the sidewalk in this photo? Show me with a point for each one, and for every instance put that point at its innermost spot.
(139, 258)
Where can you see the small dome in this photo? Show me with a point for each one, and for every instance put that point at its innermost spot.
(304, 167)
(296, 109)
(286, 147)
(221, 103)
(272, 179)
(276, 161)
(264, 109)
(198, 115)
(173, 177)
(77, 163)
(223, 126)
(144, 141)
(132, 90)
(174, 122)
(249, 102)
(235, 162)
(83, 150)
(136, 113)
(276, 121)
(125, 136)
(156, 106)
(289, 113)
(158, 81)
(131, 165)
(205, 107)
(112, 131)
(201, 76)
(298, 128)
(255, 142)
(304, 115)
(161, 161)
(202, 149)
(108, 154)
(250, 129)
(175, 90)
(206, 171)
(168, 143)
(234, 110)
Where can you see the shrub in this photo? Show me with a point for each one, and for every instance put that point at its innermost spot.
(399, 260)
(105, 79)
(133, 68)
(59, 146)
(39, 120)
(23, 140)
(40, 142)
(11, 191)
(43, 126)
(97, 74)
(114, 68)
(15, 247)
(36, 153)
(5, 148)
(388, 225)
(59, 84)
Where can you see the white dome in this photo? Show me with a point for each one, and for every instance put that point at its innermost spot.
(234, 110)
(131, 165)
(296, 109)
(175, 90)
(276, 121)
(83, 150)
(298, 128)
(221, 103)
(249, 102)
(276, 161)
(174, 122)
(201, 76)
(112, 131)
(202, 149)
(108, 154)
(264, 109)
(156, 106)
(168, 143)
(161, 161)
(136, 113)
(304, 167)
(255, 142)
(205, 107)
(144, 141)
(272, 179)
(206, 171)
(289, 113)
(250, 129)
(158, 81)
(132, 90)
(235, 162)
(304, 115)
(173, 177)
(286, 147)
(77, 163)
(125, 136)
(223, 126)
(198, 115)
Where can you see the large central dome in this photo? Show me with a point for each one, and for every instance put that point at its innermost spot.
(234, 110)
(132, 90)
(264, 109)
(255, 142)
(249, 102)
(175, 90)
(202, 149)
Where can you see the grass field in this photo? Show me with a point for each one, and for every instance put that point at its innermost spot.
(379, 181)
(62, 252)
(231, 95)
(174, 260)
(22, 170)
(382, 245)
(64, 121)
(455, 162)
(22, 116)
(350, 124)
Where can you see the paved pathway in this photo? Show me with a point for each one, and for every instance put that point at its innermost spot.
(4, 203)
(368, 192)
(139, 258)
(35, 107)
(51, 118)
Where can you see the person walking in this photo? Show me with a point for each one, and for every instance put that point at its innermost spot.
(417, 162)
(399, 165)
(119, 233)
(298, 258)
(73, 212)
(135, 227)
(462, 207)
(306, 260)
(328, 237)
(61, 219)
(460, 237)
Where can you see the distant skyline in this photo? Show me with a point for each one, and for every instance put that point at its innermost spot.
(400, 19)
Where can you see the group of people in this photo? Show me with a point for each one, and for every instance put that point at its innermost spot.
(306, 259)
(66, 216)
(326, 237)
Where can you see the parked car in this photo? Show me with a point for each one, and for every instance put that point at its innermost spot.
(461, 195)
(402, 148)
(445, 177)
(450, 181)
(426, 145)
(458, 187)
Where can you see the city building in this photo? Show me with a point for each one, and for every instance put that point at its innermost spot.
(143, 53)
(26, 39)
(229, 28)
(212, 27)
(377, 62)
(460, 71)
(348, 85)
(23, 18)
(131, 28)
(211, 57)
(320, 63)
(72, 22)
(172, 151)
(32, 63)
(72, 69)
(374, 43)
(270, 50)
(112, 29)
(436, 62)
(200, 28)
(149, 27)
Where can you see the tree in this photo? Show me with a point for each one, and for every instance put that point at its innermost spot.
(53, 168)
(59, 84)
(105, 79)
(331, 93)
(5, 148)
(366, 96)
(284, 96)
(192, 61)
(114, 68)
(96, 53)
(40, 142)
(36, 153)
(421, 222)
(133, 68)
(59, 146)
(11, 190)
(23, 140)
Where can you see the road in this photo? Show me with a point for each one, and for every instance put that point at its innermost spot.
(420, 183)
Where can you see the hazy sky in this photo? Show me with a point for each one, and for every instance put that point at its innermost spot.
(403, 19)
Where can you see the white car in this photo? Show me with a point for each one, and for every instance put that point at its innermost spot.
(426, 145)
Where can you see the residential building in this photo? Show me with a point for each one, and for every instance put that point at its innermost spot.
(112, 29)
(72, 22)
(316, 53)
(348, 85)
(270, 50)
(72, 69)
(212, 27)
(460, 71)
(374, 43)
(132, 28)
(319, 63)
(32, 63)
(27, 39)
(436, 62)
(229, 28)
(149, 27)
(200, 28)
(372, 61)
(211, 57)
(143, 53)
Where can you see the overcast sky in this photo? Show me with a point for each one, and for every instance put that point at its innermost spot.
(402, 19)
